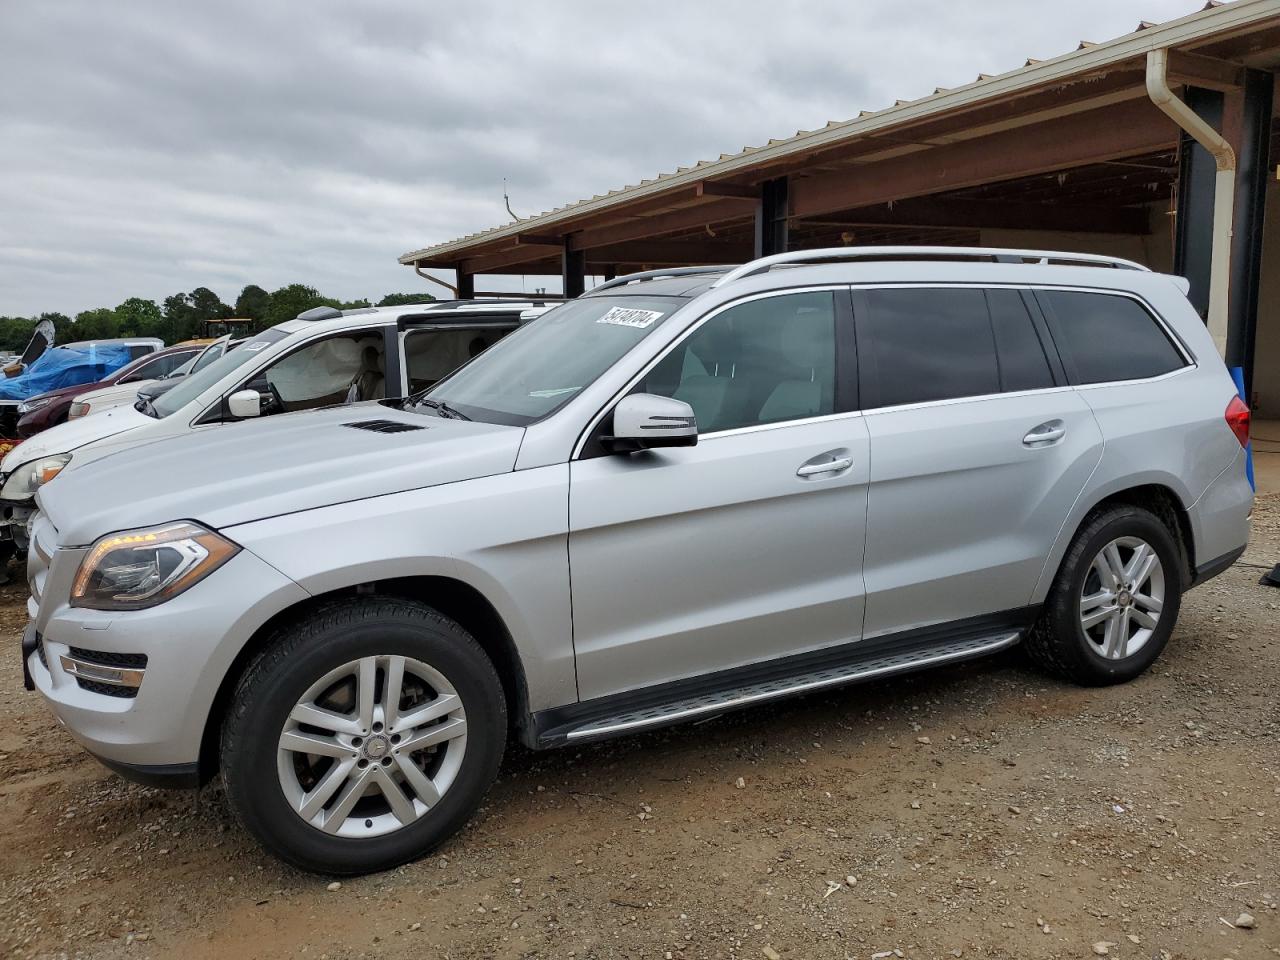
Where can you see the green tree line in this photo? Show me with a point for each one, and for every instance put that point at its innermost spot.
(183, 315)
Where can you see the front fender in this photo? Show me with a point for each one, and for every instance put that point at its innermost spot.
(506, 536)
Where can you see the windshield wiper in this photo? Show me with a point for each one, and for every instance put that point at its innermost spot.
(444, 410)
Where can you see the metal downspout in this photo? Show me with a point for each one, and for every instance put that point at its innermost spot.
(426, 276)
(1223, 194)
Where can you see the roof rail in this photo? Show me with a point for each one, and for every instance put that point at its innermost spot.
(999, 254)
(658, 274)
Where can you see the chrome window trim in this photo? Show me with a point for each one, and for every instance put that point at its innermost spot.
(774, 425)
(1120, 383)
(688, 332)
(975, 398)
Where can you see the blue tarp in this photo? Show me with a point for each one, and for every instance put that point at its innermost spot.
(65, 367)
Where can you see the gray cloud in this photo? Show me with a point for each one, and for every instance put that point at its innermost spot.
(152, 147)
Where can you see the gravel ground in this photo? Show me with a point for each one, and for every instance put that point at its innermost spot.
(976, 811)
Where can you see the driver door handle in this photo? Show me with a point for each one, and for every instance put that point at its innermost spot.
(825, 466)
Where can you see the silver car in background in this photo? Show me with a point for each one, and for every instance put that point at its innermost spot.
(686, 492)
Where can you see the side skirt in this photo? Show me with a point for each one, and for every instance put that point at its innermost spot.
(741, 687)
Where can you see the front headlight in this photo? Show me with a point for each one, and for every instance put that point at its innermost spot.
(143, 568)
(27, 406)
(26, 479)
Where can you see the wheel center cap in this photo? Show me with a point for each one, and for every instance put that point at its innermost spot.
(376, 747)
(1124, 598)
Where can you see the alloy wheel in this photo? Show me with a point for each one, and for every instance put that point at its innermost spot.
(1122, 598)
(372, 746)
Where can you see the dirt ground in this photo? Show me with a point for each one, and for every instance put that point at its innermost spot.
(978, 811)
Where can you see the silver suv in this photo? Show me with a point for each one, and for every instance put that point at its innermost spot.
(681, 494)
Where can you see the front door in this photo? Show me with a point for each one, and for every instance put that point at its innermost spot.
(748, 546)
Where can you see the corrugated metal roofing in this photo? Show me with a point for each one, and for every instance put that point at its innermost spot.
(1215, 17)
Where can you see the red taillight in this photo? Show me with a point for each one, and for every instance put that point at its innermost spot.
(1238, 420)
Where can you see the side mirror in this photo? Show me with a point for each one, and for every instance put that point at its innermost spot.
(643, 421)
(244, 404)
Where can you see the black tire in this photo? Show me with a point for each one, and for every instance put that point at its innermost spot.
(297, 657)
(1058, 643)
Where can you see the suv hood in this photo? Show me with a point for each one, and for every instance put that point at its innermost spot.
(240, 472)
(70, 436)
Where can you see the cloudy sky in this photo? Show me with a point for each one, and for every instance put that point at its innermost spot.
(152, 147)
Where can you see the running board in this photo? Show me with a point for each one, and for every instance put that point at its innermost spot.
(594, 723)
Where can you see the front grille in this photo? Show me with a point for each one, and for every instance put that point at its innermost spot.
(131, 661)
(44, 661)
(383, 426)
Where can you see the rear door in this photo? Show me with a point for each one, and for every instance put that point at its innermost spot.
(979, 448)
(748, 546)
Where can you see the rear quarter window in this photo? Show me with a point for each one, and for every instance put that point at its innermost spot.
(1105, 337)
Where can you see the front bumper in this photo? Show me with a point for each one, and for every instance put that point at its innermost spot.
(15, 520)
(189, 646)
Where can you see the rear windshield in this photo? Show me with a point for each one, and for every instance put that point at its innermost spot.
(543, 365)
(198, 382)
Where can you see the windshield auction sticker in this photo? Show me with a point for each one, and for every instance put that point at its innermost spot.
(630, 317)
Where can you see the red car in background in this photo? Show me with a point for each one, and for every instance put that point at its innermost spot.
(49, 409)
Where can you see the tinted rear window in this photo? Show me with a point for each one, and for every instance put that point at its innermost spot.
(1023, 365)
(929, 344)
(1106, 337)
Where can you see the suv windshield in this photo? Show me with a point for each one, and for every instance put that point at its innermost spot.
(540, 367)
(197, 383)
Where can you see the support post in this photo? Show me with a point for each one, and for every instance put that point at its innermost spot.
(1252, 174)
(1193, 227)
(573, 271)
(771, 218)
(466, 284)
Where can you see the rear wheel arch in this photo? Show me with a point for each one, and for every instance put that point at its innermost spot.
(455, 599)
(1159, 498)
(1165, 503)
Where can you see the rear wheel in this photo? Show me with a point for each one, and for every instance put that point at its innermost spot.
(1114, 603)
(363, 736)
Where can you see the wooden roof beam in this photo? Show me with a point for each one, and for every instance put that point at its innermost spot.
(686, 218)
(1121, 130)
(669, 253)
(997, 215)
(1196, 70)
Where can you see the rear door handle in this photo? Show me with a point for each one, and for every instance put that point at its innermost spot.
(825, 466)
(1046, 434)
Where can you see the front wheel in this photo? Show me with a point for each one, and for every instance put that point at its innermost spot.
(363, 736)
(1115, 600)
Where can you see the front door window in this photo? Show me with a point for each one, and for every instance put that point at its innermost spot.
(335, 370)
